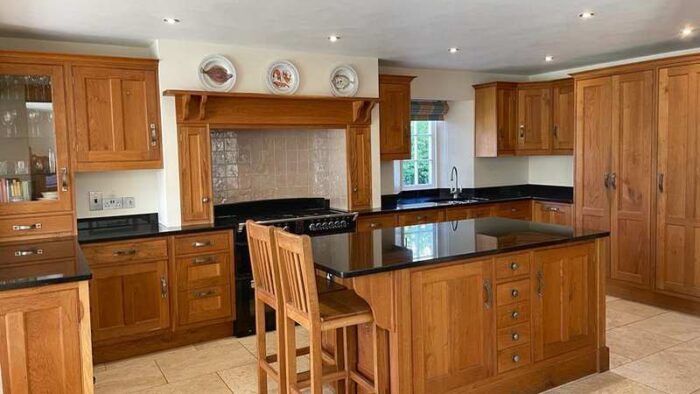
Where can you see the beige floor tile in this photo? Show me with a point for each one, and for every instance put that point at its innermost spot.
(610, 298)
(147, 358)
(667, 371)
(244, 380)
(614, 319)
(250, 342)
(99, 367)
(217, 342)
(635, 343)
(617, 360)
(209, 384)
(129, 377)
(605, 383)
(212, 359)
(675, 325)
(634, 308)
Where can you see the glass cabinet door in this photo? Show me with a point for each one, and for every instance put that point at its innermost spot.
(34, 172)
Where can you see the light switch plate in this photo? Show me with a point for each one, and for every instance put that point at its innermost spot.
(95, 203)
(129, 203)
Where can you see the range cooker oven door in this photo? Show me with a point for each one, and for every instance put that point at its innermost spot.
(245, 293)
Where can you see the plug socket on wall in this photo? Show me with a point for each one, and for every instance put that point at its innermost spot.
(95, 203)
(112, 203)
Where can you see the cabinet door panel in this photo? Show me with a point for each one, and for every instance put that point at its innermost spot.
(195, 175)
(564, 300)
(395, 117)
(534, 118)
(449, 351)
(678, 208)
(506, 120)
(563, 118)
(359, 167)
(129, 299)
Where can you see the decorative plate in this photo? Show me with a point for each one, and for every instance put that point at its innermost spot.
(344, 81)
(282, 77)
(217, 73)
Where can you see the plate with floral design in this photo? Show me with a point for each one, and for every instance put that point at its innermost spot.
(282, 77)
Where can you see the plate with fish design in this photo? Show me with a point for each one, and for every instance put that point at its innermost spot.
(217, 73)
(344, 81)
(282, 77)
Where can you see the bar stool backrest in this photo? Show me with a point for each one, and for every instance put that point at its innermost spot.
(297, 276)
(263, 259)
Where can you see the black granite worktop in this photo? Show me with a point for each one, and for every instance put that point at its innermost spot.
(346, 255)
(121, 228)
(437, 198)
(37, 263)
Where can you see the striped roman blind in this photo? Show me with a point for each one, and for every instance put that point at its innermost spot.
(428, 109)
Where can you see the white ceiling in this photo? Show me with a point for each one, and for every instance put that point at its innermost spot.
(507, 36)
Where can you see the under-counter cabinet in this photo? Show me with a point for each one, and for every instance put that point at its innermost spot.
(395, 117)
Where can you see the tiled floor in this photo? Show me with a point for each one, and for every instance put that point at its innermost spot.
(651, 351)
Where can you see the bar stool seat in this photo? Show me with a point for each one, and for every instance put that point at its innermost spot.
(343, 308)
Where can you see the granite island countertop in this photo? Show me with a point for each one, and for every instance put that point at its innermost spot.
(363, 253)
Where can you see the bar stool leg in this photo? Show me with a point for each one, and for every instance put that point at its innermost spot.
(350, 357)
(379, 347)
(316, 354)
(290, 344)
(261, 344)
(339, 357)
(281, 349)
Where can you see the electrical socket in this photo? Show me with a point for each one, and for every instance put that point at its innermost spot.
(95, 203)
(129, 203)
(112, 203)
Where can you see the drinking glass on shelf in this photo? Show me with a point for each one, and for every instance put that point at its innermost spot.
(34, 117)
(21, 168)
(8, 122)
(4, 169)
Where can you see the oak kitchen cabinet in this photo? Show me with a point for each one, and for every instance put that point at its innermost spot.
(359, 162)
(534, 118)
(395, 117)
(563, 120)
(194, 153)
(553, 213)
(495, 119)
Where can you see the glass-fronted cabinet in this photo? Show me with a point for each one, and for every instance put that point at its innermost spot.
(34, 172)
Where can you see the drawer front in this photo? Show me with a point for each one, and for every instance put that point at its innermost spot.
(515, 210)
(512, 358)
(15, 228)
(514, 336)
(513, 314)
(553, 213)
(203, 243)
(420, 217)
(468, 213)
(512, 266)
(513, 292)
(204, 304)
(376, 222)
(204, 270)
(116, 252)
(35, 251)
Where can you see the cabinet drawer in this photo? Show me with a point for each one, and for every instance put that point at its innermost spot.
(203, 243)
(482, 211)
(376, 222)
(420, 217)
(114, 252)
(512, 292)
(515, 210)
(204, 270)
(513, 314)
(205, 303)
(513, 336)
(36, 226)
(34, 251)
(512, 266)
(553, 213)
(515, 357)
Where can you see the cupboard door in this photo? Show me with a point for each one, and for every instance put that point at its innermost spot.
(41, 350)
(563, 300)
(117, 120)
(534, 119)
(631, 185)
(195, 175)
(449, 351)
(359, 167)
(593, 151)
(506, 119)
(563, 118)
(678, 208)
(395, 117)
(128, 299)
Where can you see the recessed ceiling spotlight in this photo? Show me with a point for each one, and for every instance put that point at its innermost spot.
(549, 58)
(453, 50)
(687, 31)
(171, 21)
(586, 15)
(333, 38)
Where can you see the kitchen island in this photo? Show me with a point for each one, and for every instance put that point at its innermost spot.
(483, 305)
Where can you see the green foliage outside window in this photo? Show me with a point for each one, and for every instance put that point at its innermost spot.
(418, 171)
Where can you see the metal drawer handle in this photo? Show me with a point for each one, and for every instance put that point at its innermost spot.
(515, 314)
(514, 209)
(28, 252)
(64, 179)
(26, 227)
(163, 287)
(514, 266)
(124, 252)
(661, 183)
(203, 260)
(199, 244)
(205, 200)
(420, 217)
(515, 336)
(203, 294)
(522, 131)
(154, 135)
(516, 358)
(540, 283)
(552, 209)
(514, 293)
(374, 225)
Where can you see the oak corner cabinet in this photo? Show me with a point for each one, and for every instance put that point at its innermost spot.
(495, 117)
(395, 117)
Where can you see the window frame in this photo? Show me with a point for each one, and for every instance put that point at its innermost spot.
(433, 127)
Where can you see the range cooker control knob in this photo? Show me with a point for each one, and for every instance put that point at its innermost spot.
(312, 227)
(336, 224)
(344, 223)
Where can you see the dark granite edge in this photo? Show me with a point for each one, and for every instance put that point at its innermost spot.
(444, 260)
(422, 206)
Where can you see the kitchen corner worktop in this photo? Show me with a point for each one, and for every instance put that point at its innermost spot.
(363, 253)
(38, 263)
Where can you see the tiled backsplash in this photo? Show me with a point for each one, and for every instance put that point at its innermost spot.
(263, 164)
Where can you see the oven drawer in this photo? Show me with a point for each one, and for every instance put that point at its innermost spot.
(116, 252)
(203, 243)
(205, 304)
(204, 270)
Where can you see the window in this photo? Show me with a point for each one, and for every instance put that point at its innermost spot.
(419, 171)
(420, 239)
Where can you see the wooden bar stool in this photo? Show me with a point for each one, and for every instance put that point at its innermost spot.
(266, 275)
(342, 311)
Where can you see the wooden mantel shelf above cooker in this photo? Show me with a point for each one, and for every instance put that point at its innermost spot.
(266, 110)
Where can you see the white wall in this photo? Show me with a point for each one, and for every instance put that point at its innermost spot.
(551, 170)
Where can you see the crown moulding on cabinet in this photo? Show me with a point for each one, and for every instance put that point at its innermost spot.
(257, 110)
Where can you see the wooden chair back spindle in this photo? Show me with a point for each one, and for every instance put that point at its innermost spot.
(297, 274)
(263, 259)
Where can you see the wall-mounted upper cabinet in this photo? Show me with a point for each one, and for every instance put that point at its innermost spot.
(117, 119)
(395, 117)
(530, 118)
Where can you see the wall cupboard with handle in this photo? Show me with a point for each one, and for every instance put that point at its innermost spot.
(395, 117)
(495, 117)
(195, 175)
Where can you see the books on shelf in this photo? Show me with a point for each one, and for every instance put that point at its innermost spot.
(13, 190)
